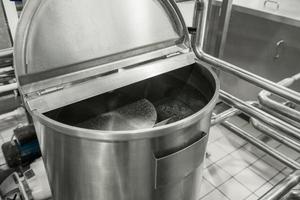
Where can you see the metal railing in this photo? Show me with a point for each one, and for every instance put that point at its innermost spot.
(235, 103)
(200, 24)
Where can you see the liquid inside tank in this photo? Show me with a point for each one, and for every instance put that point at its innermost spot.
(150, 103)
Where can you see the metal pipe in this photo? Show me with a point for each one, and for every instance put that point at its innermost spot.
(199, 21)
(6, 80)
(275, 114)
(7, 75)
(6, 69)
(275, 135)
(9, 87)
(285, 186)
(262, 146)
(6, 57)
(264, 100)
(259, 114)
(216, 119)
(19, 112)
(6, 52)
(6, 62)
(222, 33)
(278, 115)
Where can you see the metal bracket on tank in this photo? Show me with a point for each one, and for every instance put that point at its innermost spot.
(175, 167)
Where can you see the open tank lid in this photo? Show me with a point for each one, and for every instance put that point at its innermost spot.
(59, 42)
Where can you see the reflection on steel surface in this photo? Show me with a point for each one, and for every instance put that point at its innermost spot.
(200, 21)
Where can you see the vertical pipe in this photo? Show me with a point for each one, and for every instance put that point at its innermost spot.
(225, 16)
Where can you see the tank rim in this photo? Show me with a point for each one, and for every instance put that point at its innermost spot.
(91, 134)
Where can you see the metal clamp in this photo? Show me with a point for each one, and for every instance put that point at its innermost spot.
(272, 2)
(178, 165)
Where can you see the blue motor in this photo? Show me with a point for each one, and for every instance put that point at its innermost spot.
(23, 149)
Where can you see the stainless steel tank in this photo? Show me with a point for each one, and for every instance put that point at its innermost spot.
(72, 56)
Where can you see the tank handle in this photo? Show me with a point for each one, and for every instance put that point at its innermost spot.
(178, 165)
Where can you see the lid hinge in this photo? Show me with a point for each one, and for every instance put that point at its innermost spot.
(50, 90)
(173, 54)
